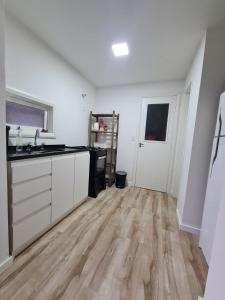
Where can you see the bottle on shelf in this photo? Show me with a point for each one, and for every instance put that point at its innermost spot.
(101, 125)
(19, 140)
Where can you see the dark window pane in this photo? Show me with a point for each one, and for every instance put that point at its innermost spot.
(156, 122)
(23, 115)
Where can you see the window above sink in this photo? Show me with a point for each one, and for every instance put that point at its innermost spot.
(30, 113)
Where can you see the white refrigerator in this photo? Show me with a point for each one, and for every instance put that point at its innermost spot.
(216, 180)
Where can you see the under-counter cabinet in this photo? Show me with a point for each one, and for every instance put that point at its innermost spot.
(81, 180)
(30, 200)
(62, 185)
(41, 192)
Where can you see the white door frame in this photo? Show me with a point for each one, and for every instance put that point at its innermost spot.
(174, 127)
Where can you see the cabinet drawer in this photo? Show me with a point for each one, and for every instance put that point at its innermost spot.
(31, 205)
(29, 169)
(24, 190)
(30, 227)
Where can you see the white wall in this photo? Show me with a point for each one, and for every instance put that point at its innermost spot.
(34, 68)
(126, 100)
(213, 85)
(207, 79)
(193, 80)
(4, 251)
(181, 137)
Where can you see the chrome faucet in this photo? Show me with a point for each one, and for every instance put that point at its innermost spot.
(37, 135)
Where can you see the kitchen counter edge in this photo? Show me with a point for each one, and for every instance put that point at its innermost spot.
(14, 157)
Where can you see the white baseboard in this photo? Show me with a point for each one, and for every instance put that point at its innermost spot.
(5, 264)
(185, 227)
(191, 229)
(200, 298)
(130, 183)
(178, 217)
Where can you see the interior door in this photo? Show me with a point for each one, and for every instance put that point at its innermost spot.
(155, 141)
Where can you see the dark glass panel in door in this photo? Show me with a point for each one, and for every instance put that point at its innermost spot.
(156, 122)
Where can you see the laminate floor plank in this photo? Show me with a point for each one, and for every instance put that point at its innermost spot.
(123, 245)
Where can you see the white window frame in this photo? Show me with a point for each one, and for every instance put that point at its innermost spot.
(16, 96)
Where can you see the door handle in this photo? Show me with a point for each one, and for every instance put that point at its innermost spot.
(216, 153)
(217, 143)
(141, 145)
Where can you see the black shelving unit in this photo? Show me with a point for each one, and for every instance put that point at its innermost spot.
(107, 138)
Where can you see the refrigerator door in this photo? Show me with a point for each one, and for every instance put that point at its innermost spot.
(216, 181)
(220, 125)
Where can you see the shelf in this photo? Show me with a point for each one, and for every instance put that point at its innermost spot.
(108, 166)
(104, 115)
(104, 132)
(99, 138)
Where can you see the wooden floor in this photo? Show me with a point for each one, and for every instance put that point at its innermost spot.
(123, 245)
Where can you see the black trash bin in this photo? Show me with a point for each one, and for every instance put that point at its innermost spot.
(121, 179)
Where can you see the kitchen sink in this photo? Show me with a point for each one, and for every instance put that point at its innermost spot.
(46, 151)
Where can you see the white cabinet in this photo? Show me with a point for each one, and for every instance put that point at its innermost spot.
(31, 205)
(42, 191)
(26, 230)
(30, 200)
(29, 169)
(62, 185)
(28, 189)
(82, 161)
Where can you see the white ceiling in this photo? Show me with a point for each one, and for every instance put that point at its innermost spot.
(163, 35)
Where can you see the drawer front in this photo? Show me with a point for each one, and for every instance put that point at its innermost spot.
(31, 205)
(29, 169)
(25, 190)
(30, 227)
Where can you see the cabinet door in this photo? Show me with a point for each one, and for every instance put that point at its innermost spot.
(62, 185)
(82, 161)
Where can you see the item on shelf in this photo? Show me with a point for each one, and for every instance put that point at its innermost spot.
(100, 145)
(7, 136)
(101, 125)
(19, 140)
(96, 126)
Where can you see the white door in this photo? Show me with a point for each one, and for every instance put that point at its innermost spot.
(215, 185)
(213, 196)
(82, 162)
(155, 141)
(62, 185)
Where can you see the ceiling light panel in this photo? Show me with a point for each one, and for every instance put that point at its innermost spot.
(120, 49)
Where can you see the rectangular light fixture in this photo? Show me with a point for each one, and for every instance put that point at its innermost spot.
(120, 49)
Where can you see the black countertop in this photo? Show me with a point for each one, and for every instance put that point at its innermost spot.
(42, 151)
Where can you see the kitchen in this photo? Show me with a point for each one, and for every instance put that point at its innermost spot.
(69, 97)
